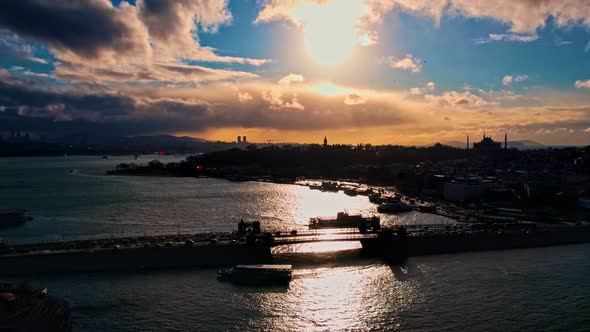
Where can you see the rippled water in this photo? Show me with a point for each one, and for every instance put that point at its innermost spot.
(532, 289)
(68, 206)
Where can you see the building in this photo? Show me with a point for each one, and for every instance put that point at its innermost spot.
(244, 139)
(487, 146)
(461, 191)
(239, 139)
(325, 142)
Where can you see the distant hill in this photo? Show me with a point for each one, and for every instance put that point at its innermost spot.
(524, 144)
(91, 144)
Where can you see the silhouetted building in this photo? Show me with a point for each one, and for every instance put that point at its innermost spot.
(239, 139)
(461, 191)
(244, 139)
(487, 146)
(325, 142)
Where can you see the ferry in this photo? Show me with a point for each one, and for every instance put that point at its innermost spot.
(343, 220)
(12, 217)
(394, 207)
(262, 274)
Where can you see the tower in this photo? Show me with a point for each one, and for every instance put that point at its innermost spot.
(244, 139)
(505, 141)
(467, 142)
(239, 139)
(325, 141)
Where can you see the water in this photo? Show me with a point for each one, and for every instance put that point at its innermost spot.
(90, 203)
(532, 289)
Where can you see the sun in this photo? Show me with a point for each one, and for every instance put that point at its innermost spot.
(330, 29)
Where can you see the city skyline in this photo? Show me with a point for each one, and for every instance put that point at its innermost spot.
(379, 72)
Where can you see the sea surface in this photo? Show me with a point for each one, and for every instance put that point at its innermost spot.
(334, 288)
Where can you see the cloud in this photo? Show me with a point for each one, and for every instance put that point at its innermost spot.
(13, 46)
(458, 99)
(94, 41)
(523, 17)
(303, 108)
(583, 84)
(526, 38)
(430, 86)
(244, 97)
(132, 111)
(415, 91)
(409, 63)
(507, 80)
(291, 79)
(171, 25)
(354, 99)
(59, 24)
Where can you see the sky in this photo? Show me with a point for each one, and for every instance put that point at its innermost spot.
(409, 72)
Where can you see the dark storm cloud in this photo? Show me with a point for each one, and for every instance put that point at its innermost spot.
(18, 94)
(82, 27)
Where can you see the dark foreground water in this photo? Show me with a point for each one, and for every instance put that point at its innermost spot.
(531, 290)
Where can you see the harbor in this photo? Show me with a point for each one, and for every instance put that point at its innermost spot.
(130, 212)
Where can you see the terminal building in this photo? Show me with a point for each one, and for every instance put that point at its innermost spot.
(461, 191)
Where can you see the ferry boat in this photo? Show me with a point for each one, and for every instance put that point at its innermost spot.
(12, 217)
(393, 207)
(344, 220)
(262, 274)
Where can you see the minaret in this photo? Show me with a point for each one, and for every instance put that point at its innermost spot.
(505, 141)
(467, 142)
(325, 142)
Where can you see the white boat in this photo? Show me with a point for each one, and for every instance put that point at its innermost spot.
(394, 207)
(344, 220)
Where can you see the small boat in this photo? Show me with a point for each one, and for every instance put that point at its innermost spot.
(329, 186)
(376, 199)
(344, 220)
(74, 171)
(263, 274)
(13, 217)
(350, 191)
(394, 207)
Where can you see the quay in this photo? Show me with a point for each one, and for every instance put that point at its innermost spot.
(394, 245)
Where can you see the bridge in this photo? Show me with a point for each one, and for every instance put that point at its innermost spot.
(310, 237)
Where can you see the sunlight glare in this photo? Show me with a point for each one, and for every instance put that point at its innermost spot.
(330, 29)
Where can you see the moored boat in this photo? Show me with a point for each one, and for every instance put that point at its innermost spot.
(262, 274)
(344, 220)
(394, 207)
